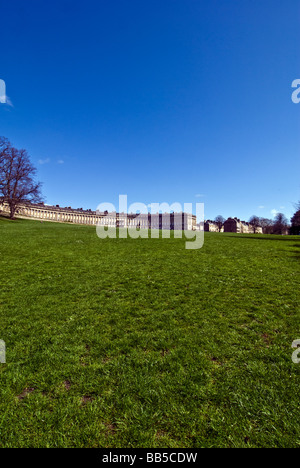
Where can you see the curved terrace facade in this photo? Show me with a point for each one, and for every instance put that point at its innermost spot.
(173, 221)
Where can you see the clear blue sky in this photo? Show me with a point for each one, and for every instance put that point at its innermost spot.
(165, 101)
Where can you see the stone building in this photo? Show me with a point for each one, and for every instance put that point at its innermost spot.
(172, 221)
(238, 226)
(212, 226)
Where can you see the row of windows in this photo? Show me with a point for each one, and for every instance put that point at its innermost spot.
(156, 221)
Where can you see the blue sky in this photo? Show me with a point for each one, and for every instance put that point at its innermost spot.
(165, 101)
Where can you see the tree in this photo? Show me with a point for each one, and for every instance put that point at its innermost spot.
(4, 148)
(267, 225)
(295, 221)
(255, 223)
(17, 174)
(219, 220)
(280, 224)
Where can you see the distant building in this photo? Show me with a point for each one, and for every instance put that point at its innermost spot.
(171, 221)
(212, 226)
(238, 226)
(232, 225)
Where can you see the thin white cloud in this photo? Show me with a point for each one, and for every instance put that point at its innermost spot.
(44, 161)
(60, 161)
(6, 100)
(199, 195)
(261, 207)
(274, 212)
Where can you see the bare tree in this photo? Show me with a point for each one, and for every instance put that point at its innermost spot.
(267, 225)
(4, 144)
(219, 220)
(280, 224)
(4, 149)
(17, 174)
(255, 223)
(295, 221)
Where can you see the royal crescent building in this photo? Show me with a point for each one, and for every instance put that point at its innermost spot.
(173, 221)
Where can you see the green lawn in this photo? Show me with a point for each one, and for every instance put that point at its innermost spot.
(141, 343)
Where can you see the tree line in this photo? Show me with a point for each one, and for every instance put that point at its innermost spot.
(278, 225)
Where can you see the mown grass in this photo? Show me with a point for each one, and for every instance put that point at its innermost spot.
(141, 343)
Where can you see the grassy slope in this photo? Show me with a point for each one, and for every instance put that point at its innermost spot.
(141, 343)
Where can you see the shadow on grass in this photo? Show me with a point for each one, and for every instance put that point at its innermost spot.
(297, 252)
(3, 217)
(273, 238)
(292, 253)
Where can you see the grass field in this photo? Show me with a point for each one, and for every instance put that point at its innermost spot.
(141, 343)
